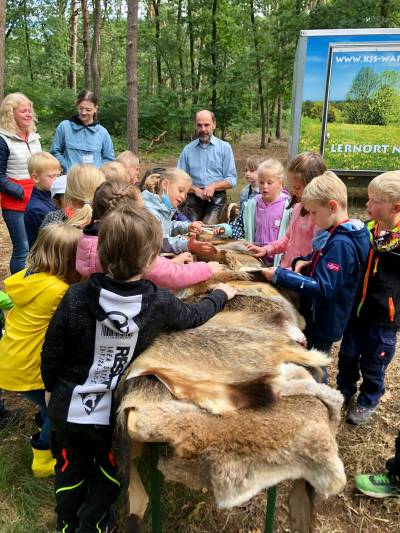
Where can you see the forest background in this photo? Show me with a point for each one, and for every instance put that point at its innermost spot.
(158, 61)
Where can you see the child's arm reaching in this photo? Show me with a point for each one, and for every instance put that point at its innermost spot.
(54, 350)
(235, 230)
(169, 275)
(332, 270)
(179, 315)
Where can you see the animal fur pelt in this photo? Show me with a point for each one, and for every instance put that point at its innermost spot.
(242, 452)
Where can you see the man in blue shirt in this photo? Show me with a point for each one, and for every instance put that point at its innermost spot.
(210, 163)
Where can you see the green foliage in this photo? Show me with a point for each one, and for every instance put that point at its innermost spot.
(383, 106)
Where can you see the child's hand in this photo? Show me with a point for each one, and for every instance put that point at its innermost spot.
(196, 227)
(218, 231)
(228, 290)
(256, 251)
(269, 273)
(183, 258)
(301, 265)
(198, 247)
(215, 267)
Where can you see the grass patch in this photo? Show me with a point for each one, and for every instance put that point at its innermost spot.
(26, 502)
(353, 134)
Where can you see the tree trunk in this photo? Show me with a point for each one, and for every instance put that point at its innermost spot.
(150, 63)
(259, 75)
(181, 66)
(28, 48)
(95, 56)
(385, 13)
(3, 11)
(278, 129)
(191, 48)
(214, 56)
(85, 42)
(156, 5)
(131, 75)
(73, 45)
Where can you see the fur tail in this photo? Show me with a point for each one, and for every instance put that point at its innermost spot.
(305, 357)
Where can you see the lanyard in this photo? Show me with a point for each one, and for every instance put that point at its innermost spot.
(319, 253)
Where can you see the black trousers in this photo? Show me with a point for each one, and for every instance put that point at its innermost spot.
(393, 464)
(208, 211)
(86, 483)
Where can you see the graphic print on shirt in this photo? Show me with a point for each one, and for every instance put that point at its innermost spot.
(116, 338)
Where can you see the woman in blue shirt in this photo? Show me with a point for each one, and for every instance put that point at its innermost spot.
(81, 139)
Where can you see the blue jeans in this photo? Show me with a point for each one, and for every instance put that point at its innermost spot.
(367, 350)
(37, 397)
(16, 228)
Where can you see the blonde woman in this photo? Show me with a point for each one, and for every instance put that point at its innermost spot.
(18, 141)
(36, 293)
(82, 181)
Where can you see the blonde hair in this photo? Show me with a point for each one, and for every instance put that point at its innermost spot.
(274, 165)
(54, 252)
(129, 241)
(128, 158)
(42, 162)
(253, 162)
(324, 188)
(115, 171)
(82, 182)
(387, 186)
(153, 182)
(7, 108)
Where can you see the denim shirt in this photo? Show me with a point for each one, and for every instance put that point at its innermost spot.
(207, 163)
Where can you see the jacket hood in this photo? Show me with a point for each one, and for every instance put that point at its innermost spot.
(153, 201)
(282, 198)
(23, 290)
(12, 135)
(78, 124)
(116, 304)
(353, 229)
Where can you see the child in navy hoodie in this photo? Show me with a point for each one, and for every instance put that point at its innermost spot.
(327, 279)
(43, 168)
(99, 327)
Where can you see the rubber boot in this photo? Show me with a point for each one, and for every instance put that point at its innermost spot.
(43, 461)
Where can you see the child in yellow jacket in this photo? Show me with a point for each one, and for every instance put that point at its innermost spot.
(36, 293)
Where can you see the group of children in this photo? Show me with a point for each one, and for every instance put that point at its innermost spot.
(66, 344)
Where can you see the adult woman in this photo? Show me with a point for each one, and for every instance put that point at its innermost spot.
(81, 139)
(18, 141)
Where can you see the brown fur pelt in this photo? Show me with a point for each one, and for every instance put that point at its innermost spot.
(242, 452)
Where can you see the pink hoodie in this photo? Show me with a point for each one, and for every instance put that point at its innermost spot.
(164, 273)
(297, 240)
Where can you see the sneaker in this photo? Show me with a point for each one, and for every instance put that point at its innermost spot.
(378, 485)
(9, 418)
(360, 415)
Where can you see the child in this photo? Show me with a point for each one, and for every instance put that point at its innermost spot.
(36, 292)
(331, 273)
(250, 172)
(82, 181)
(166, 273)
(43, 168)
(115, 171)
(298, 237)
(162, 194)
(132, 165)
(57, 191)
(264, 216)
(385, 484)
(369, 342)
(99, 327)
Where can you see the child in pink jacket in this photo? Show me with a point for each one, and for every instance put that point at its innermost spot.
(297, 240)
(174, 274)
